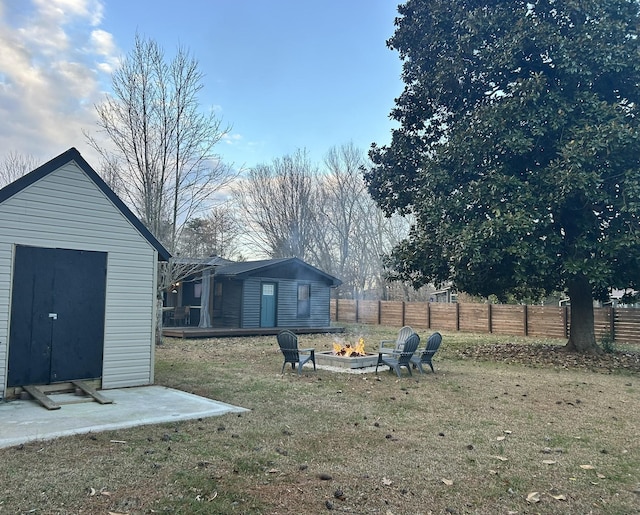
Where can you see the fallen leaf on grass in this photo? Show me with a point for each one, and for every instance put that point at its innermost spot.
(601, 476)
(549, 462)
(533, 497)
(386, 481)
(501, 458)
(273, 471)
(587, 467)
(117, 513)
(500, 438)
(507, 432)
(559, 497)
(447, 482)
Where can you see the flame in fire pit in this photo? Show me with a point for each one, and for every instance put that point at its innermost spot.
(348, 350)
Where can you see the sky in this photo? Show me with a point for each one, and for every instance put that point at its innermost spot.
(283, 74)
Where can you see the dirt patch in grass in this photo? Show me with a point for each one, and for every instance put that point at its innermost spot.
(483, 435)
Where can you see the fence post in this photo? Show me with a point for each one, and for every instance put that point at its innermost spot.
(457, 317)
(403, 305)
(525, 320)
(612, 323)
(428, 315)
(357, 310)
(489, 320)
(565, 320)
(379, 312)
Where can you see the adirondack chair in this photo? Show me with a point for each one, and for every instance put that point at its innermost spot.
(288, 343)
(419, 358)
(400, 359)
(396, 346)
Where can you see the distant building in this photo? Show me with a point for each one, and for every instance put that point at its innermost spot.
(444, 295)
(271, 293)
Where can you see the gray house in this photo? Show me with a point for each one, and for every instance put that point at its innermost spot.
(274, 293)
(78, 275)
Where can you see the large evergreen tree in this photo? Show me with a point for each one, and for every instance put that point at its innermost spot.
(518, 149)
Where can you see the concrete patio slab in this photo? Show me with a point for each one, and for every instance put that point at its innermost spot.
(23, 421)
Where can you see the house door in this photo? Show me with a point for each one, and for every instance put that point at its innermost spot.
(268, 305)
(57, 315)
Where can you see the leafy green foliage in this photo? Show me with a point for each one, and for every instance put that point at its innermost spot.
(518, 149)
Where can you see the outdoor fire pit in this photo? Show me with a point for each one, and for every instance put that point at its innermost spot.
(347, 356)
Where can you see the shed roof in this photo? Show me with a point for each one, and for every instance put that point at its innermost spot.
(265, 267)
(73, 155)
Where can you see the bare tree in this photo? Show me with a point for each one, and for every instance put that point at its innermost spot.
(343, 202)
(110, 172)
(163, 157)
(327, 218)
(353, 234)
(382, 233)
(277, 204)
(161, 154)
(14, 165)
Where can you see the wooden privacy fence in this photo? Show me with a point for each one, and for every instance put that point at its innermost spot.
(621, 324)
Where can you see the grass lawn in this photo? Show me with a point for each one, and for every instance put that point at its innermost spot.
(477, 437)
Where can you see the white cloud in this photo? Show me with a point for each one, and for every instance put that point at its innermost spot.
(102, 44)
(52, 61)
(232, 139)
(58, 10)
(47, 27)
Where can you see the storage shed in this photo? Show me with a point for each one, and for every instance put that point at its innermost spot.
(78, 276)
(276, 293)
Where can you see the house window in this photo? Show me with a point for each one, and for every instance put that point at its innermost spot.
(304, 304)
(217, 295)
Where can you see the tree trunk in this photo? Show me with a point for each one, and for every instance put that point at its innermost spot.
(582, 337)
(159, 304)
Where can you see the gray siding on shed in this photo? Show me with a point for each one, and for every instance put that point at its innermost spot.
(65, 209)
(286, 303)
(228, 315)
(251, 302)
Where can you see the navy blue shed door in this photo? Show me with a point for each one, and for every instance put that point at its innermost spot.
(57, 315)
